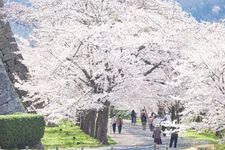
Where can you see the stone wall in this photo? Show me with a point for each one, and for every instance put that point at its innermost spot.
(9, 100)
(8, 47)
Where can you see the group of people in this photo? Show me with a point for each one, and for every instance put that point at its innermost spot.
(155, 128)
(117, 122)
(144, 120)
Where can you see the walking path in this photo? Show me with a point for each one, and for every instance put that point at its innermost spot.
(134, 138)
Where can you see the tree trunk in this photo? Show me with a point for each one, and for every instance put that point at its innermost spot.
(83, 121)
(102, 124)
(87, 122)
(86, 126)
(96, 127)
(92, 123)
(175, 108)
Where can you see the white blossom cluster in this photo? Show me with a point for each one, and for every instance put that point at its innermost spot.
(137, 51)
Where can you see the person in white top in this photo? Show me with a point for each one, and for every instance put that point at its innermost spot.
(114, 121)
(167, 117)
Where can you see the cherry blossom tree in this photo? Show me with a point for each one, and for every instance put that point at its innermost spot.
(202, 76)
(88, 54)
(108, 41)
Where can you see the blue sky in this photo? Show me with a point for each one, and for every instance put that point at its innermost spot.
(25, 2)
(206, 10)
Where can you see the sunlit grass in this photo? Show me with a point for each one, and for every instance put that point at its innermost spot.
(206, 136)
(67, 135)
(111, 141)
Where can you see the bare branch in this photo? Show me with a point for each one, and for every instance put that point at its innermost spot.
(153, 68)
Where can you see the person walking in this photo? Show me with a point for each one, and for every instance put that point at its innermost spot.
(133, 117)
(174, 137)
(157, 135)
(151, 125)
(159, 120)
(143, 121)
(114, 121)
(119, 123)
(153, 114)
(142, 112)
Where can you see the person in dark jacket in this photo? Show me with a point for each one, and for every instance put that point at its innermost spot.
(174, 137)
(143, 121)
(133, 117)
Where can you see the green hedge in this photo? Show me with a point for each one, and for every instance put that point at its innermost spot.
(20, 130)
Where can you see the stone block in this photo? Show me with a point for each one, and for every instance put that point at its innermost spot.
(1, 26)
(13, 105)
(6, 50)
(1, 3)
(9, 101)
(3, 39)
(4, 44)
(4, 109)
(4, 99)
(8, 29)
(20, 57)
(10, 62)
(3, 22)
(2, 16)
(11, 39)
(8, 57)
(4, 88)
(5, 67)
(1, 55)
(11, 69)
(13, 46)
(8, 34)
(2, 31)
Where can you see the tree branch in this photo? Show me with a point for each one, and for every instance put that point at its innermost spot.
(153, 68)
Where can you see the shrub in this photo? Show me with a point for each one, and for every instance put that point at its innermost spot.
(20, 130)
(125, 114)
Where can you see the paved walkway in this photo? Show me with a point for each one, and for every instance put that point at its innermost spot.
(134, 138)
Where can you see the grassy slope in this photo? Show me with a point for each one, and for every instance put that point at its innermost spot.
(67, 135)
(207, 136)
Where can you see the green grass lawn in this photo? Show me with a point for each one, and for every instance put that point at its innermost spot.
(67, 135)
(206, 136)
